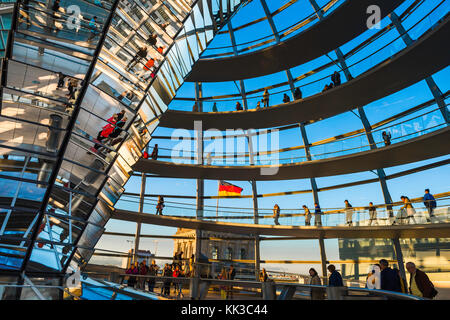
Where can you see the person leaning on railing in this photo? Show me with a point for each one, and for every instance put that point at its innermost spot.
(160, 205)
(143, 270)
(266, 98)
(177, 273)
(230, 276)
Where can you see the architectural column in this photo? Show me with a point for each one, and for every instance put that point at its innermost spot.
(235, 52)
(137, 236)
(292, 87)
(198, 131)
(255, 207)
(435, 91)
(362, 115)
(302, 130)
(251, 157)
(399, 257)
(323, 258)
(277, 40)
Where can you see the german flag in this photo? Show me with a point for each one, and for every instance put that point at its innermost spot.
(228, 189)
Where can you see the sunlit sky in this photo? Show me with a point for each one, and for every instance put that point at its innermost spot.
(412, 185)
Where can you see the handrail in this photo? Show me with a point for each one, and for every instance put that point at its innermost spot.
(438, 196)
(259, 285)
(343, 139)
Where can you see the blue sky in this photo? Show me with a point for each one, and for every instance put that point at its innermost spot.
(413, 185)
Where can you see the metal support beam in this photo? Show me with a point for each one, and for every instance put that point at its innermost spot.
(137, 236)
(277, 40)
(343, 64)
(235, 52)
(435, 91)
(308, 157)
(399, 257)
(198, 131)
(292, 87)
(323, 258)
(362, 116)
(255, 220)
(251, 157)
(255, 206)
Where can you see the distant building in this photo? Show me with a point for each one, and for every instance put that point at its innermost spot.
(143, 255)
(219, 250)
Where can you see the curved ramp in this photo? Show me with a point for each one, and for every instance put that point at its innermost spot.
(428, 55)
(345, 23)
(437, 230)
(435, 144)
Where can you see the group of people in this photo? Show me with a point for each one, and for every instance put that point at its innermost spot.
(142, 269)
(148, 65)
(317, 215)
(174, 270)
(265, 101)
(335, 81)
(109, 135)
(226, 292)
(407, 211)
(381, 277)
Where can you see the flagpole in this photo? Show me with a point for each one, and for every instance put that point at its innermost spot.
(217, 205)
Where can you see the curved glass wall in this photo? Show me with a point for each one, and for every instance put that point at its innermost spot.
(71, 71)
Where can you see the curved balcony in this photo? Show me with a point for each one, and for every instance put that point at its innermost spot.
(404, 152)
(420, 229)
(389, 76)
(344, 24)
(343, 144)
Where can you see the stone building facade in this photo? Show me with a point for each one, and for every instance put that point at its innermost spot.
(216, 248)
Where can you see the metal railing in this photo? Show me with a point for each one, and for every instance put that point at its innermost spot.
(269, 290)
